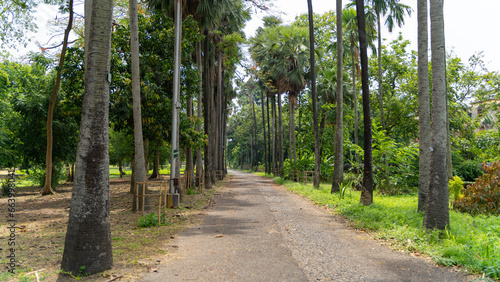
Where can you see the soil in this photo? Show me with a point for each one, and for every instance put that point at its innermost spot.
(42, 222)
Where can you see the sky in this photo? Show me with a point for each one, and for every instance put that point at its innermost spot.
(470, 26)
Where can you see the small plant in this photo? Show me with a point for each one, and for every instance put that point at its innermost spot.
(149, 220)
(455, 185)
(82, 272)
(483, 196)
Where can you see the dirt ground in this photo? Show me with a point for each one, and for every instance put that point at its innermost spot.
(42, 222)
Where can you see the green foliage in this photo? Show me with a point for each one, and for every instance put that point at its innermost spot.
(150, 220)
(483, 196)
(305, 163)
(396, 164)
(455, 185)
(38, 175)
(468, 170)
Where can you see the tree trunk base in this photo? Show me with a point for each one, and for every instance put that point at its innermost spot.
(47, 190)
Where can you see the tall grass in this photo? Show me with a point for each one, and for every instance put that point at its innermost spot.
(471, 242)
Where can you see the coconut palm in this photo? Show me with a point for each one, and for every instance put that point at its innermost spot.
(437, 206)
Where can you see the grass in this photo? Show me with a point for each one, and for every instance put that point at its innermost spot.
(470, 242)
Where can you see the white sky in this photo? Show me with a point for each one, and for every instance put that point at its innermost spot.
(470, 26)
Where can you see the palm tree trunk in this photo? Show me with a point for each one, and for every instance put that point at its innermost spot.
(139, 170)
(437, 206)
(275, 134)
(206, 113)
(355, 101)
(255, 133)
(280, 116)
(199, 162)
(47, 187)
(424, 119)
(338, 167)
(317, 151)
(264, 130)
(380, 88)
(92, 158)
(189, 171)
(269, 143)
(291, 129)
(367, 190)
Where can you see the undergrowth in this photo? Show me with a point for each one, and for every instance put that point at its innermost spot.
(470, 242)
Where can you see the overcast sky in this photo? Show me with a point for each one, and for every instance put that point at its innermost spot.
(470, 26)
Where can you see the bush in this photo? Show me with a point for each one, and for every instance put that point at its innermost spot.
(469, 170)
(57, 174)
(455, 185)
(149, 220)
(483, 196)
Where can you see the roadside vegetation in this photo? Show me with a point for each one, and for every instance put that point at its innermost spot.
(471, 242)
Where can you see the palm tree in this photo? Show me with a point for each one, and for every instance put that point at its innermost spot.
(367, 190)
(338, 168)
(437, 206)
(424, 119)
(395, 12)
(88, 237)
(139, 165)
(47, 187)
(351, 32)
(317, 156)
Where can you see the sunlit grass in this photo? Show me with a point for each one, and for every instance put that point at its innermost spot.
(471, 242)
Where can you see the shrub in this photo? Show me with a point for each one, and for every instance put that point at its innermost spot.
(455, 185)
(483, 196)
(149, 220)
(57, 173)
(469, 170)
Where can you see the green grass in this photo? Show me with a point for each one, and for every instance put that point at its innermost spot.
(471, 242)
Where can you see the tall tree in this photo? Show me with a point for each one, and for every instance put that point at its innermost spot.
(139, 165)
(424, 118)
(338, 167)
(317, 155)
(88, 237)
(367, 190)
(395, 12)
(47, 189)
(437, 206)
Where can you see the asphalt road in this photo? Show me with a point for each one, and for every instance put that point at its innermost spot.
(258, 231)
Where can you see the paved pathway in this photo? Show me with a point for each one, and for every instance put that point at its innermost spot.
(258, 231)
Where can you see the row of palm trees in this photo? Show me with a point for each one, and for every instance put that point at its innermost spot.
(282, 60)
(282, 65)
(220, 22)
